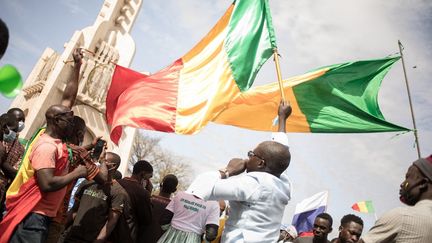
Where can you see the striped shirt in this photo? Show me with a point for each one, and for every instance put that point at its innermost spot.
(404, 224)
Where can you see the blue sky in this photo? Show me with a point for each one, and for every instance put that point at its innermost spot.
(353, 167)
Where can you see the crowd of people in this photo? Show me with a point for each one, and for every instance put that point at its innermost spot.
(55, 189)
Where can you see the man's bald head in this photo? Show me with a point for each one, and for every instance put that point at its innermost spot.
(60, 121)
(276, 156)
(56, 110)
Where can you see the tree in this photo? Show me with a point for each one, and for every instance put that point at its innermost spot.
(163, 161)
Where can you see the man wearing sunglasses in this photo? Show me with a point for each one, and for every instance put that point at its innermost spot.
(36, 193)
(31, 206)
(258, 197)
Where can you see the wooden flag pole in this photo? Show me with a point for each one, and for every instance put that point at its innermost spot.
(276, 59)
(409, 99)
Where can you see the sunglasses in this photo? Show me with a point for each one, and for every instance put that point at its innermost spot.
(66, 116)
(252, 154)
(70, 113)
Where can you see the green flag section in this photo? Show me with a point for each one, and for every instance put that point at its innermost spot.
(340, 98)
(250, 40)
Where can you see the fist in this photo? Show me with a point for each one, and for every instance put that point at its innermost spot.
(285, 109)
(236, 166)
(78, 55)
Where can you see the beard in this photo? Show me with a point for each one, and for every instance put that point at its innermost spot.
(407, 197)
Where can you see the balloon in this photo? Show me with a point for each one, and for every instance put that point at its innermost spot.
(4, 37)
(10, 81)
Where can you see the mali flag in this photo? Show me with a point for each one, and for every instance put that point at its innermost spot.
(341, 98)
(363, 207)
(196, 88)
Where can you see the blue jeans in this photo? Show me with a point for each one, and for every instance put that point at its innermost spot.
(33, 229)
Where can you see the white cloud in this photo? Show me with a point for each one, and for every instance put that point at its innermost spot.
(75, 7)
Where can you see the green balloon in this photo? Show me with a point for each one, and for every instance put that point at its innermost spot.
(10, 81)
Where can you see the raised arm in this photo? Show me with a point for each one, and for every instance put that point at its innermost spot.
(217, 186)
(284, 112)
(71, 90)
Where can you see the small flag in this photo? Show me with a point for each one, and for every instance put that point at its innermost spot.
(307, 210)
(363, 207)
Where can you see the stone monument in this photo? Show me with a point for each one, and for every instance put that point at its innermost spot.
(107, 41)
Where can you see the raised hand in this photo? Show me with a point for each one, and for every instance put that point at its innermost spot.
(78, 55)
(284, 110)
(236, 166)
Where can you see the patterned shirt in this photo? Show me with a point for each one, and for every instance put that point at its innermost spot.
(13, 155)
(15, 151)
(404, 224)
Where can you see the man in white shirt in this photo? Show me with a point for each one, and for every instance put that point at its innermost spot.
(258, 197)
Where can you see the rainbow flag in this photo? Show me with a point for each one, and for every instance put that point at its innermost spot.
(341, 98)
(363, 207)
(196, 88)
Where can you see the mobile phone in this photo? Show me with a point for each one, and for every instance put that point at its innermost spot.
(97, 150)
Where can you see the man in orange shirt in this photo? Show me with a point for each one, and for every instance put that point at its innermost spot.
(33, 204)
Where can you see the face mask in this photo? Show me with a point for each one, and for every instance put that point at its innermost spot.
(20, 126)
(144, 183)
(10, 137)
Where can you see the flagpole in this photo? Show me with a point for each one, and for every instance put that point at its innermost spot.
(276, 60)
(409, 99)
(328, 196)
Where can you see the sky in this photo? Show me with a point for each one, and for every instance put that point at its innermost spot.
(310, 34)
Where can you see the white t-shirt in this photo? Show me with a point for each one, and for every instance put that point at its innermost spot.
(192, 214)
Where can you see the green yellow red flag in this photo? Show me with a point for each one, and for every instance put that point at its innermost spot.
(196, 88)
(341, 98)
(363, 207)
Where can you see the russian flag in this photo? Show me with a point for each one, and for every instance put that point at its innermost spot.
(307, 210)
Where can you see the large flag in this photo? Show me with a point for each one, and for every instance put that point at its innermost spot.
(307, 210)
(341, 98)
(363, 207)
(196, 88)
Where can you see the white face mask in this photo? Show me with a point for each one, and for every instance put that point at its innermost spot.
(21, 126)
(144, 183)
(10, 137)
